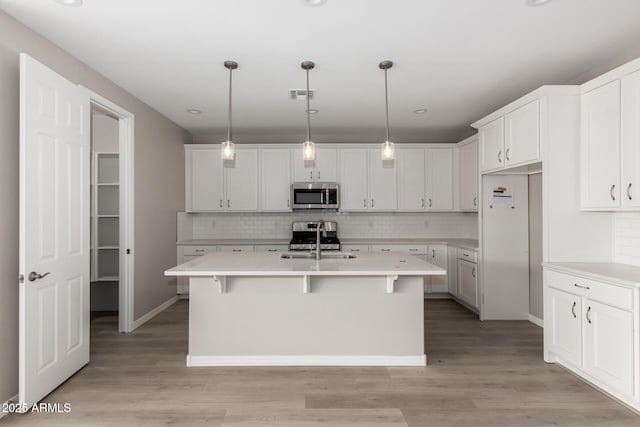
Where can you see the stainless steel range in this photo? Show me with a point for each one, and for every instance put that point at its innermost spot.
(305, 234)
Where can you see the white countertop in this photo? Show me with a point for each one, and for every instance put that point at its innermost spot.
(623, 274)
(270, 264)
(469, 244)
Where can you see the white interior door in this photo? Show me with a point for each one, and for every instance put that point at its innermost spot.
(54, 229)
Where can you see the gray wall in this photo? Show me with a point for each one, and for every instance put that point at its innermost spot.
(159, 184)
(535, 245)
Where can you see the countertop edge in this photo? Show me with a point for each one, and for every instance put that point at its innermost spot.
(615, 273)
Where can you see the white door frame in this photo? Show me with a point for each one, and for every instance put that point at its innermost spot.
(126, 145)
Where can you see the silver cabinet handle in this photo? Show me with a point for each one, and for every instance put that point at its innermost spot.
(588, 315)
(507, 154)
(311, 175)
(573, 310)
(473, 272)
(33, 276)
(288, 205)
(629, 191)
(413, 249)
(581, 287)
(500, 156)
(318, 172)
(355, 250)
(611, 192)
(430, 202)
(220, 202)
(433, 253)
(236, 250)
(372, 204)
(228, 203)
(465, 255)
(385, 250)
(272, 250)
(365, 203)
(475, 200)
(422, 202)
(199, 250)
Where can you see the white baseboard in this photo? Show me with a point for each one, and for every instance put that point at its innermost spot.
(11, 399)
(536, 320)
(153, 313)
(307, 360)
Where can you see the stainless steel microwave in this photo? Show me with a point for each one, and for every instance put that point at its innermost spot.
(315, 195)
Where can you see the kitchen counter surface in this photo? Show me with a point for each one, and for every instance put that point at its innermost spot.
(623, 274)
(271, 264)
(469, 244)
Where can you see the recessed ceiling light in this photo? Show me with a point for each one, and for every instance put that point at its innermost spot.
(74, 3)
(420, 111)
(313, 111)
(314, 2)
(194, 111)
(536, 2)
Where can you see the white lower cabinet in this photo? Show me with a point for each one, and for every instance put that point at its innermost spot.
(589, 328)
(468, 282)
(437, 255)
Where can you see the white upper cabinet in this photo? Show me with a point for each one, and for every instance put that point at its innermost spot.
(367, 184)
(354, 192)
(522, 135)
(600, 147)
(411, 179)
(383, 183)
(275, 182)
(204, 182)
(439, 179)
(323, 169)
(242, 181)
(511, 140)
(469, 176)
(631, 141)
(491, 137)
(213, 185)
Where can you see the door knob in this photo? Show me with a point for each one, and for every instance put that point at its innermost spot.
(33, 276)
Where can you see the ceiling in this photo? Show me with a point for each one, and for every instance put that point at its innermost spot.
(460, 59)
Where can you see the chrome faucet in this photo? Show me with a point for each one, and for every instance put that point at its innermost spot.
(319, 225)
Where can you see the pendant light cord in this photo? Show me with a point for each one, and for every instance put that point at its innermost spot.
(229, 116)
(308, 112)
(386, 101)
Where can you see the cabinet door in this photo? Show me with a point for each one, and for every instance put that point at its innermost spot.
(275, 182)
(452, 271)
(631, 141)
(522, 135)
(491, 139)
(439, 179)
(242, 181)
(354, 194)
(600, 147)
(608, 347)
(469, 176)
(326, 165)
(564, 334)
(438, 256)
(303, 170)
(383, 183)
(411, 179)
(467, 283)
(204, 184)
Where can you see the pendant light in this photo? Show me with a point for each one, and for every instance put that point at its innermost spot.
(308, 147)
(388, 150)
(228, 150)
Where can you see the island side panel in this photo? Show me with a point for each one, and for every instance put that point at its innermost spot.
(343, 320)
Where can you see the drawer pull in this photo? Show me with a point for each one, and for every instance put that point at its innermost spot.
(500, 156)
(475, 201)
(355, 250)
(473, 272)
(413, 249)
(199, 250)
(433, 253)
(629, 191)
(573, 310)
(272, 250)
(611, 192)
(236, 250)
(581, 287)
(588, 315)
(385, 250)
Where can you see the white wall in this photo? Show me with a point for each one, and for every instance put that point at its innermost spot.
(159, 184)
(626, 228)
(350, 225)
(535, 246)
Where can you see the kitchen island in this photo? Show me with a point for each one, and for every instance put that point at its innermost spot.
(259, 309)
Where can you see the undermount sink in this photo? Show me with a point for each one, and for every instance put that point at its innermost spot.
(324, 255)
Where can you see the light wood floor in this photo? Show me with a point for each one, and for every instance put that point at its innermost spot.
(479, 374)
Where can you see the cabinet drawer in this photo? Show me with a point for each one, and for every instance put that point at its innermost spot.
(198, 250)
(606, 293)
(271, 248)
(355, 248)
(410, 249)
(467, 255)
(236, 248)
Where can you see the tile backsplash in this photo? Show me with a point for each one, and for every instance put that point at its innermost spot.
(350, 225)
(627, 237)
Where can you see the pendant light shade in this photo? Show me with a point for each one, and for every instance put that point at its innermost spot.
(388, 149)
(308, 147)
(228, 151)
